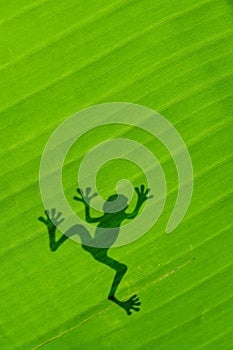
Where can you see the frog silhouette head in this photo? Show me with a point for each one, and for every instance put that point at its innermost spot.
(115, 204)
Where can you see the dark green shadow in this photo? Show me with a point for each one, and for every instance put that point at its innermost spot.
(114, 213)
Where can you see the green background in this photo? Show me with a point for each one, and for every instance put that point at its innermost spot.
(58, 57)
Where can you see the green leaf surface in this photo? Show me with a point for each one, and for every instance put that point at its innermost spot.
(58, 57)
